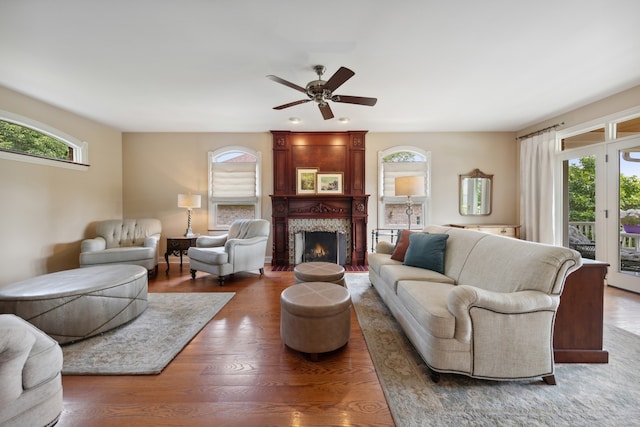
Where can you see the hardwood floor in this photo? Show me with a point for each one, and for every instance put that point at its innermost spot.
(236, 371)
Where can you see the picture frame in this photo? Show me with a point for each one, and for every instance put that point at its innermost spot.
(306, 180)
(329, 183)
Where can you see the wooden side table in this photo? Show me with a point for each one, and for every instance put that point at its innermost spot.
(178, 246)
(577, 335)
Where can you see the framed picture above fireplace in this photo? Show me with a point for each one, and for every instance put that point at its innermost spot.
(329, 183)
(306, 180)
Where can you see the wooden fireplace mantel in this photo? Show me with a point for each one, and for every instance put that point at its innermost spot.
(328, 152)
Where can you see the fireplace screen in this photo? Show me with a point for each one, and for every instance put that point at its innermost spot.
(326, 246)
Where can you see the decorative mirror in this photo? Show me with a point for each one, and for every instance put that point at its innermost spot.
(476, 191)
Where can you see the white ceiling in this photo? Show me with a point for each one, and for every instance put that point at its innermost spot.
(187, 65)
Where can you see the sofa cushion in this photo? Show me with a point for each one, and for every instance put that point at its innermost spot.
(394, 273)
(216, 256)
(115, 255)
(427, 303)
(427, 250)
(401, 246)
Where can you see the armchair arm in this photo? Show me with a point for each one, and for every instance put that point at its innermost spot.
(241, 250)
(463, 298)
(92, 245)
(211, 241)
(15, 346)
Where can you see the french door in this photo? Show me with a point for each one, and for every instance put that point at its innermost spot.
(623, 246)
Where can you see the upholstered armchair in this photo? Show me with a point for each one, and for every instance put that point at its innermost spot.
(242, 249)
(123, 241)
(30, 379)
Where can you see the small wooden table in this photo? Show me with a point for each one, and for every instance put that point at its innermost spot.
(178, 246)
(577, 336)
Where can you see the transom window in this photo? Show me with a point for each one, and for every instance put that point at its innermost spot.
(394, 163)
(24, 139)
(234, 186)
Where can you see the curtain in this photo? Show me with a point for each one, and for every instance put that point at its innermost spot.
(233, 180)
(537, 187)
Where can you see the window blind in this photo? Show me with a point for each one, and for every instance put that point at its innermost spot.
(393, 170)
(233, 181)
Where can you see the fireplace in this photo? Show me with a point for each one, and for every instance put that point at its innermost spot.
(297, 215)
(320, 246)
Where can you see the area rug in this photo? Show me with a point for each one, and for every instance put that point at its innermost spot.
(586, 394)
(148, 343)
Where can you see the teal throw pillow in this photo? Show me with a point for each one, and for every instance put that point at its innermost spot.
(427, 250)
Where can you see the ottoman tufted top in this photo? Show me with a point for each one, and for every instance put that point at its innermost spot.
(72, 282)
(315, 299)
(318, 272)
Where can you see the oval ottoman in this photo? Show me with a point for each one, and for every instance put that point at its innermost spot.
(315, 317)
(75, 304)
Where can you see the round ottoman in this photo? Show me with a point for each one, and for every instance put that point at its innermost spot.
(315, 317)
(319, 272)
(75, 304)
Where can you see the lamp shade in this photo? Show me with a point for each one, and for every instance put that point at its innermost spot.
(189, 201)
(409, 186)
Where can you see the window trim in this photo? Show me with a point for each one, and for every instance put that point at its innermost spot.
(255, 201)
(80, 148)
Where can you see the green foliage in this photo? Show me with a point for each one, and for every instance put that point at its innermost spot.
(20, 139)
(401, 156)
(582, 191)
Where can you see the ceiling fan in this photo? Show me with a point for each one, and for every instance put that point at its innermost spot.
(321, 91)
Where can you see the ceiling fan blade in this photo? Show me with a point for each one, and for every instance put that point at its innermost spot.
(287, 83)
(326, 111)
(342, 75)
(361, 100)
(291, 104)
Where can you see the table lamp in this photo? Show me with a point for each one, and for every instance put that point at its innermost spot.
(409, 186)
(189, 201)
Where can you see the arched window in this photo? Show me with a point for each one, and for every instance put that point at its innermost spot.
(24, 139)
(234, 186)
(398, 162)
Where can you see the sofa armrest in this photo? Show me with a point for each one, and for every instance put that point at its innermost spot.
(92, 245)
(211, 241)
(230, 244)
(152, 241)
(462, 298)
(385, 247)
(15, 345)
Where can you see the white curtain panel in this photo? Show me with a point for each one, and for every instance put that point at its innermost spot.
(537, 187)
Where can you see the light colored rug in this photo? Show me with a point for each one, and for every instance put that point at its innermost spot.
(586, 394)
(148, 343)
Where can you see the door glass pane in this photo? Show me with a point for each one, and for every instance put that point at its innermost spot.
(629, 203)
(581, 200)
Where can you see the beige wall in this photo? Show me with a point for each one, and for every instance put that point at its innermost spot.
(616, 103)
(158, 166)
(46, 211)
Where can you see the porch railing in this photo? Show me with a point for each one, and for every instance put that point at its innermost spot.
(627, 240)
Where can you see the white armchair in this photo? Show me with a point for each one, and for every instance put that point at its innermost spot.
(242, 249)
(123, 241)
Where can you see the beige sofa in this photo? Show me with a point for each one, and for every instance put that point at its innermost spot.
(30, 379)
(123, 241)
(490, 314)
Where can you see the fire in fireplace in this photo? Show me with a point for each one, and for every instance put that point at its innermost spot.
(327, 246)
